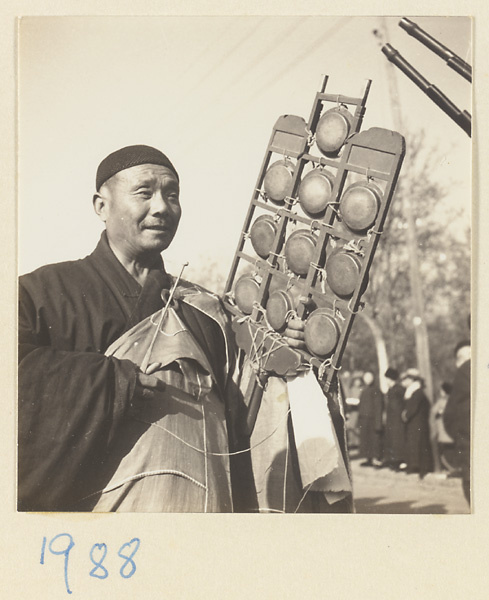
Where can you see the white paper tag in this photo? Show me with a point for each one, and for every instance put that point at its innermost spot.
(320, 461)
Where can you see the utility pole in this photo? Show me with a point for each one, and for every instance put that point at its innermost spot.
(419, 322)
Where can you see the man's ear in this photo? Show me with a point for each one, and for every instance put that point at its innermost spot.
(100, 205)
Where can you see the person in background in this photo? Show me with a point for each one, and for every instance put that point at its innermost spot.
(416, 417)
(370, 414)
(457, 415)
(394, 432)
(445, 443)
(352, 403)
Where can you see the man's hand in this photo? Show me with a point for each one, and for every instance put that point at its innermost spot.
(294, 334)
(147, 385)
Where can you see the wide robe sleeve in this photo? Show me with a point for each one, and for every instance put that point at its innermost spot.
(70, 404)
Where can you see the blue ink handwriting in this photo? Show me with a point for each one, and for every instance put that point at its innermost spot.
(63, 543)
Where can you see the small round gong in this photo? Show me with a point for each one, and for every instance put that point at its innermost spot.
(321, 333)
(277, 182)
(359, 205)
(299, 251)
(262, 235)
(246, 293)
(342, 271)
(278, 306)
(332, 130)
(315, 191)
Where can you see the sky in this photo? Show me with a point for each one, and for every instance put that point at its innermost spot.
(207, 92)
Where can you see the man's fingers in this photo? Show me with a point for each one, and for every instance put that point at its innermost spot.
(299, 344)
(152, 368)
(150, 381)
(297, 324)
(294, 333)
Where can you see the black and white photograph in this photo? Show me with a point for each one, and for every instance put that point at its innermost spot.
(304, 343)
(245, 267)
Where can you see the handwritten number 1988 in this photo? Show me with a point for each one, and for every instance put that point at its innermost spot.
(98, 553)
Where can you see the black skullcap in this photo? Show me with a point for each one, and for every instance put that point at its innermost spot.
(130, 156)
(392, 373)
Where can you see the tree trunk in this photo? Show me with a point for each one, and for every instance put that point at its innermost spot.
(380, 347)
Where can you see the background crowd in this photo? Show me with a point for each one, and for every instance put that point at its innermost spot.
(405, 430)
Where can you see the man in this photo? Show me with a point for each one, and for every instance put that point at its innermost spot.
(394, 427)
(96, 431)
(416, 416)
(457, 415)
(370, 414)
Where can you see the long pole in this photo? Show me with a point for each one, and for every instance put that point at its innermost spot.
(419, 322)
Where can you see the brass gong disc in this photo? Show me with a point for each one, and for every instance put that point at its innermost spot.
(315, 191)
(332, 130)
(299, 251)
(278, 306)
(246, 293)
(342, 271)
(277, 182)
(262, 235)
(321, 333)
(359, 205)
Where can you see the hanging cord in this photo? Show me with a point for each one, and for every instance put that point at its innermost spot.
(262, 441)
(303, 496)
(322, 368)
(230, 297)
(371, 232)
(323, 276)
(145, 362)
(259, 357)
(284, 493)
(311, 138)
(262, 194)
(359, 309)
(289, 201)
(336, 311)
(334, 209)
(206, 468)
(354, 246)
(254, 355)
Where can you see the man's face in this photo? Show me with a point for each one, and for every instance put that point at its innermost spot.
(141, 209)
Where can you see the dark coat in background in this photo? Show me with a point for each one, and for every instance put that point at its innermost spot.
(418, 447)
(370, 422)
(394, 433)
(456, 419)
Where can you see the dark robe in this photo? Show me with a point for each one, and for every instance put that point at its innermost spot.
(394, 432)
(73, 400)
(457, 418)
(418, 446)
(370, 412)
